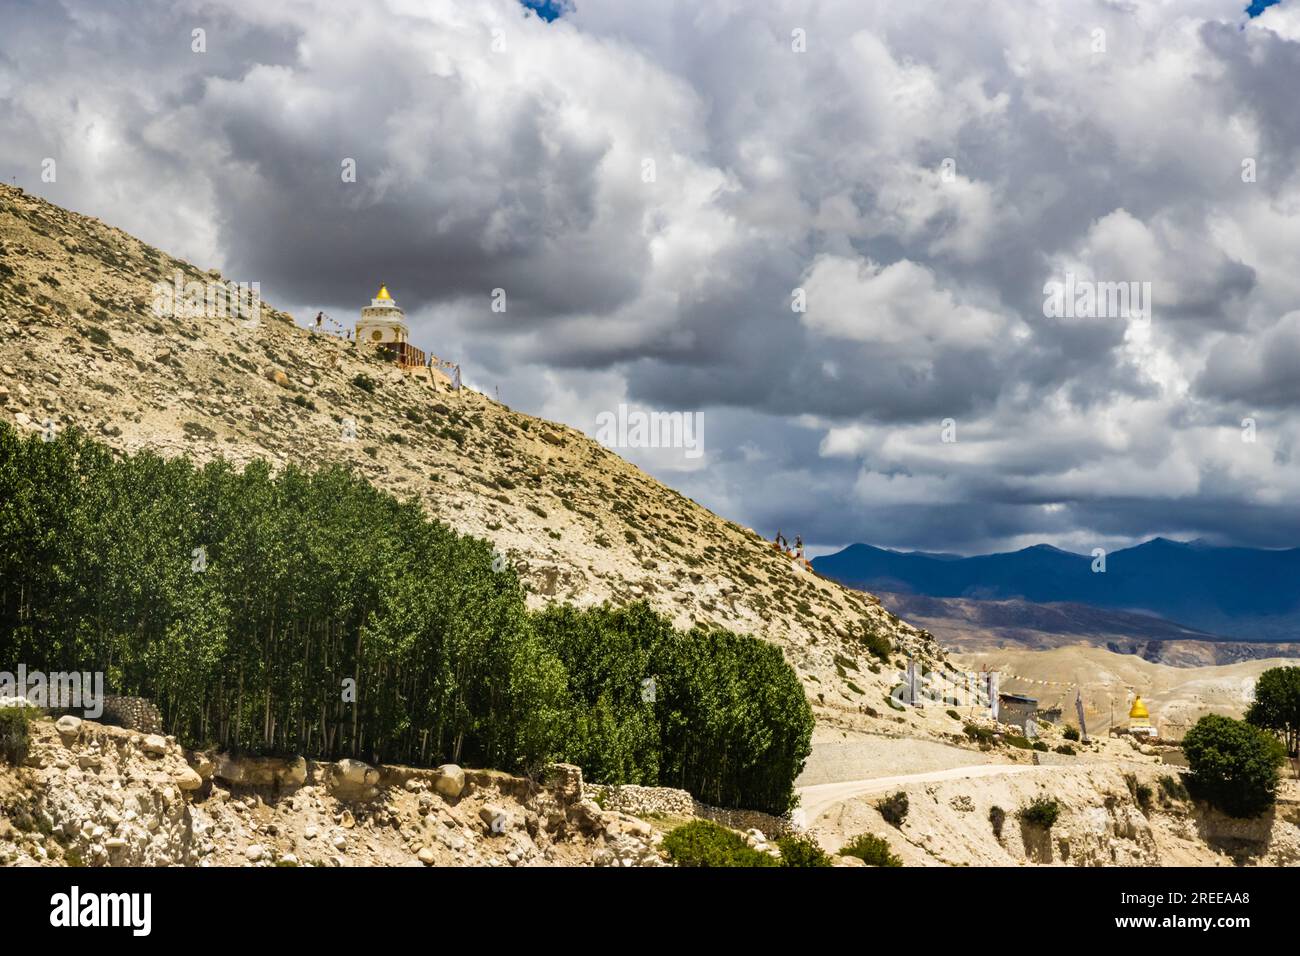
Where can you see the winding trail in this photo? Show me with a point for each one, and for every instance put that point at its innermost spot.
(815, 800)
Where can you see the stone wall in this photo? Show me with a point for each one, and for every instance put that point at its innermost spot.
(133, 713)
(640, 801)
(129, 713)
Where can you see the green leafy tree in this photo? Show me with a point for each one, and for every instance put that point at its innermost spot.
(1234, 765)
(1277, 704)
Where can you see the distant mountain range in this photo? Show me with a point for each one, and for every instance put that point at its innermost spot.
(1240, 593)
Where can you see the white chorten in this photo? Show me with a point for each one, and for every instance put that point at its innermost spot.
(382, 322)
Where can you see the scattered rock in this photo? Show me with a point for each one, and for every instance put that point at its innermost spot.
(587, 816)
(187, 779)
(202, 764)
(68, 725)
(450, 781)
(496, 818)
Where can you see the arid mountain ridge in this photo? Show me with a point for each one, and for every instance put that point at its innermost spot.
(968, 625)
(82, 346)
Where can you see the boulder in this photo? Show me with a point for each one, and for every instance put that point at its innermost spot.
(587, 816)
(621, 824)
(355, 773)
(187, 779)
(202, 764)
(68, 726)
(495, 817)
(450, 781)
(154, 745)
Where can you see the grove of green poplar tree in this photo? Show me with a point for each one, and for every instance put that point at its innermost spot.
(245, 603)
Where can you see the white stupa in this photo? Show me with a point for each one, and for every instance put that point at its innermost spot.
(382, 322)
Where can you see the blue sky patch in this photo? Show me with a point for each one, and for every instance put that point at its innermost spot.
(1256, 6)
(550, 10)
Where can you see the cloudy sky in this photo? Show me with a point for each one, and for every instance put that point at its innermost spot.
(825, 227)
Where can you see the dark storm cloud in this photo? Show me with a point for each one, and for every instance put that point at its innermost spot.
(651, 190)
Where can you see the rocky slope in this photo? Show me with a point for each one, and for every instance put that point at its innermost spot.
(81, 346)
(91, 794)
(1113, 812)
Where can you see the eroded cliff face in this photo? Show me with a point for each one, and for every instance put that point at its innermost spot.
(91, 794)
(1110, 814)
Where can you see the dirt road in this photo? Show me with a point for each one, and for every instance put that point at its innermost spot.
(817, 799)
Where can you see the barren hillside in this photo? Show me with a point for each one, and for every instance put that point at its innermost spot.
(1177, 696)
(82, 346)
(964, 624)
